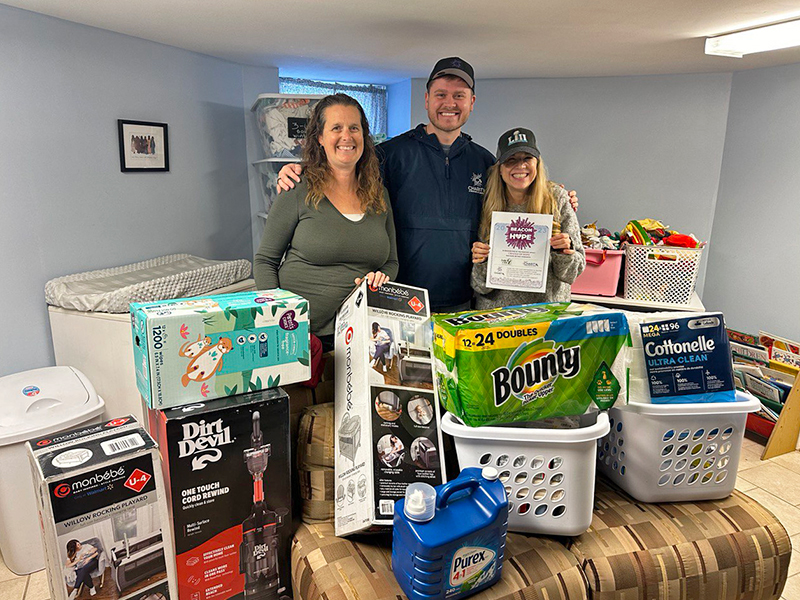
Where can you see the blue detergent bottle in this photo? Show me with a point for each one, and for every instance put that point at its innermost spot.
(449, 541)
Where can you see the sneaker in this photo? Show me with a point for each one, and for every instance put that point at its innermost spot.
(92, 591)
(384, 368)
(73, 593)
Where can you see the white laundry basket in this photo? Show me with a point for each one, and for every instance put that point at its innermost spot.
(675, 452)
(548, 473)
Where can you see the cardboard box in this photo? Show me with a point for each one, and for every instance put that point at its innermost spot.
(226, 467)
(386, 411)
(103, 512)
(216, 346)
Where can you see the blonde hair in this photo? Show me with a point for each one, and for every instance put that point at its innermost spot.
(315, 163)
(539, 198)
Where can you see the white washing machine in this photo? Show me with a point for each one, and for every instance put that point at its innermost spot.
(34, 404)
(99, 344)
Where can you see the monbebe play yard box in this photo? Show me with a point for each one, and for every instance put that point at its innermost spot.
(386, 417)
(215, 346)
(526, 363)
(103, 513)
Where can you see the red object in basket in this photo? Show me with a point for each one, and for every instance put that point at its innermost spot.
(759, 425)
(601, 275)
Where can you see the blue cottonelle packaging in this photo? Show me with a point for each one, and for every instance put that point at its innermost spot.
(449, 541)
(687, 359)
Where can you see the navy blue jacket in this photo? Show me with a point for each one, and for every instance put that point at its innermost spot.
(436, 200)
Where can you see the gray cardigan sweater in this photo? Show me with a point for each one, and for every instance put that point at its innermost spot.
(563, 269)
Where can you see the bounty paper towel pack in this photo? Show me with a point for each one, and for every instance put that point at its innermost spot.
(532, 362)
(209, 347)
(680, 358)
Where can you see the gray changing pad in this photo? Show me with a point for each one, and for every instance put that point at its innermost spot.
(166, 277)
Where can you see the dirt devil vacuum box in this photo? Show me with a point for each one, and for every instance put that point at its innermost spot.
(103, 513)
(226, 466)
(386, 412)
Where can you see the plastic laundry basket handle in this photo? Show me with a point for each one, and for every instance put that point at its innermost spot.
(598, 261)
(472, 483)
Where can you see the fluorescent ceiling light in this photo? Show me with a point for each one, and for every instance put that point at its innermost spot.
(761, 39)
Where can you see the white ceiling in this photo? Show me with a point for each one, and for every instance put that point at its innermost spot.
(384, 42)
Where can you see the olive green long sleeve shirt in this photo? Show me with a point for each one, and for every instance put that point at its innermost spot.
(324, 252)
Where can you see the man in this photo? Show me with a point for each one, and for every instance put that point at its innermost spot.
(435, 175)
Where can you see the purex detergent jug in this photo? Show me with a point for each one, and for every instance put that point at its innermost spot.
(449, 541)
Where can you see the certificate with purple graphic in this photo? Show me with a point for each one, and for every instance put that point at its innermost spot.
(519, 252)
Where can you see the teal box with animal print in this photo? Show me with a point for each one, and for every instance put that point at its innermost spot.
(189, 350)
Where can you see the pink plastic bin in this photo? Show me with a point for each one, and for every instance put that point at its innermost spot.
(601, 275)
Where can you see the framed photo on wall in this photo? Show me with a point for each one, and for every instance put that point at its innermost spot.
(143, 146)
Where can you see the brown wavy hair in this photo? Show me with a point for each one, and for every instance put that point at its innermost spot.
(315, 162)
(539, 198)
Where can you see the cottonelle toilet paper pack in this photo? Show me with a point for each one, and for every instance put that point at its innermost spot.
(679, 358)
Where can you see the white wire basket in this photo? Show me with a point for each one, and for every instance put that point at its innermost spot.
(661, 273)
(548, 473)
(282, 120)
(675, 452)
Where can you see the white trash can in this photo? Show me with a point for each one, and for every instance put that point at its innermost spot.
(34, 404)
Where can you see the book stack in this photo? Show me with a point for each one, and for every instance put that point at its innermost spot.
(765, 365)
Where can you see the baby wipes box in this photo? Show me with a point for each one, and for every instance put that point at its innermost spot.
(103, 513)
(209, 347)
(386, 413)
(526, 363)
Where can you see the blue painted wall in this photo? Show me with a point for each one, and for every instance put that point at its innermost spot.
(65, 206)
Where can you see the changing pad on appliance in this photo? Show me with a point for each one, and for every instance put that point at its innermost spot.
(162, 278)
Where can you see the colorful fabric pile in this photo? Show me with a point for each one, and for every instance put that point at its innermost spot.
(649, 232)
(599, 238)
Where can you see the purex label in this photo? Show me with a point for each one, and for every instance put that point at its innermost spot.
(468, 562)
(104, 486)
(471, 566)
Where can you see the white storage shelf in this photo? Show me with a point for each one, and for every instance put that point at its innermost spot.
(695, 304)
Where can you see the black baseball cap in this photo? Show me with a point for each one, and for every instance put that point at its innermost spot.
(516, 140)
(453, 66)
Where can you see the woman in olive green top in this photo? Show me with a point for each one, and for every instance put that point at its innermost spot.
(336, 227)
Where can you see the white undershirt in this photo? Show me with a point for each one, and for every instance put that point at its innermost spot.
(354, 216)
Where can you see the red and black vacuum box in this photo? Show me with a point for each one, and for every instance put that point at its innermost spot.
(226, 469)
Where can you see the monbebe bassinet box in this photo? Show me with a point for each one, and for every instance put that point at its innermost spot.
(385, 415)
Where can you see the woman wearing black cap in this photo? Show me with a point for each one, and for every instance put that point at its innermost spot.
(517, 182)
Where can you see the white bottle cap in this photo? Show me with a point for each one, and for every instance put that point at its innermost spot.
(489, 473)
(420, 502)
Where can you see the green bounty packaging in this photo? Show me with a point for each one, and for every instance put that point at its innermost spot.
(527, 363)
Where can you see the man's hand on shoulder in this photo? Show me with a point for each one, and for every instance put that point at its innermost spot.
(573, 197)
(288, 174)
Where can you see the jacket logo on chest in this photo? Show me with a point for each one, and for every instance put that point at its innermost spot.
(477, 184)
